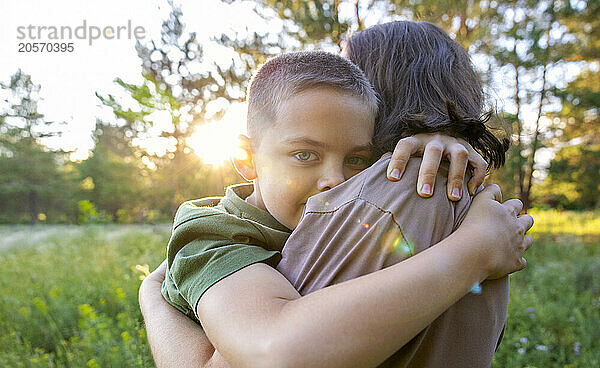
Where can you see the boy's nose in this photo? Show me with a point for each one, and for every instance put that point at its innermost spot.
(330, 179)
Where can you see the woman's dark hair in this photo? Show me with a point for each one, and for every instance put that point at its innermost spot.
(426, 83)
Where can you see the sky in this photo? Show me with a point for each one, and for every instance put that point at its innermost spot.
(69, 80)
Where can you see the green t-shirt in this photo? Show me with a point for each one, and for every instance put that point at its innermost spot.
(213, 238)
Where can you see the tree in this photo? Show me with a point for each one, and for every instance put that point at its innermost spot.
(579, 117)
(33, 182)
(573, 179)
(574, 173)
(179, 87)
(312, 22)
(532, 42)
(112, 177)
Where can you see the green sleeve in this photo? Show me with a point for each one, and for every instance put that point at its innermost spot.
(204, 250)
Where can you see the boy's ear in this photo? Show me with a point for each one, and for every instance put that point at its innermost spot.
(243, 158)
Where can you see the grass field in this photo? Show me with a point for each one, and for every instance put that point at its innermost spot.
(69, 295)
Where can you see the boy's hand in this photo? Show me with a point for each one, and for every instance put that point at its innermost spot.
(501, 231)
(433, 147)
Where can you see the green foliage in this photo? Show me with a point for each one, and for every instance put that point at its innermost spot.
(579, 117)
(316, 21)
(554, 307)
(110, 177)
(583, 224)
(573, 179)
(32, 181)
(555, 302)
(171, 89)
(88, 214)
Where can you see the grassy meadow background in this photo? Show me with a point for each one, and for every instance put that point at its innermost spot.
(69, 295)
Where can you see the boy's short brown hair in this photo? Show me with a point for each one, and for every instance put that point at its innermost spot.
(292, 73)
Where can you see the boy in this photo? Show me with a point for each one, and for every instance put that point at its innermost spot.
(236, 231)
(319, 136)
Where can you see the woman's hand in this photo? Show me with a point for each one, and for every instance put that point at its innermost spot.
(433, 147)
(155, 278)
(501, 231)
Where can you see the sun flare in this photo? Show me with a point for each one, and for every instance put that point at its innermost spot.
(216, 141)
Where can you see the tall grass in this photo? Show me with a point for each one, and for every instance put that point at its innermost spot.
(68, 295)
(566, 222)
(554, 309)
(70, 299)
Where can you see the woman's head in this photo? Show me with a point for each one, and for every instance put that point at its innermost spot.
(426, 83)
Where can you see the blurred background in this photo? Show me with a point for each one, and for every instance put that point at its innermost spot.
(116, 135)
(163, 133)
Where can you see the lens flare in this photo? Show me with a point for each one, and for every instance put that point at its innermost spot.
(395, 242)
(476, 289)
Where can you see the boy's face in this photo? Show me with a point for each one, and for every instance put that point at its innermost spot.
(321, 138)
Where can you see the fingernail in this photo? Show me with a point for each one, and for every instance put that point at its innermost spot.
(455, 193)
(426, 189)
(395, 174)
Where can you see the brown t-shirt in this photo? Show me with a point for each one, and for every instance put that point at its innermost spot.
(368, 223)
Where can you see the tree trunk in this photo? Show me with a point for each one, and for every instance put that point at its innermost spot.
(32, 207)
(520, 174)
(535, 143)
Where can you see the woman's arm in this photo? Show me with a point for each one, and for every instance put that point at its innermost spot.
(256, 318)
(170, 331)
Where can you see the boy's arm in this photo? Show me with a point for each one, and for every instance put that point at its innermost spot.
(358, 323)
(175, 340)
(256, 318)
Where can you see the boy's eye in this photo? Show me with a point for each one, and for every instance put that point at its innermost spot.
(305, 156)
(357, 161)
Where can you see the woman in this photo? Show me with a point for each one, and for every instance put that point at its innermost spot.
(363, 338)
